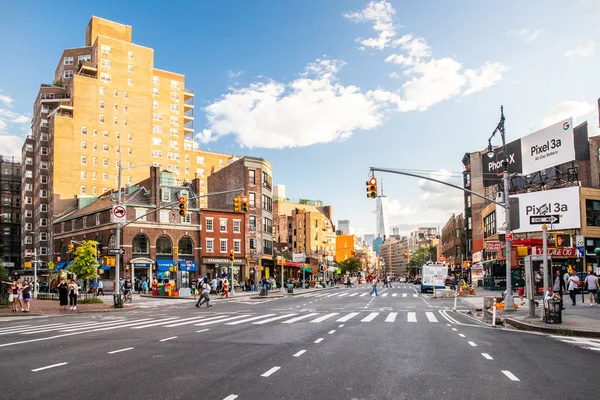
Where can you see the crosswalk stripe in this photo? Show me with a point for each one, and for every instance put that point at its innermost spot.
(415, 295)
(347, 317)
(220, 320)
(353, 294)
(395, 294)
(431, 317)
(370, 317)
(14, 327)
(179, 322)
(197, 319)
(364, 294)
(20, 330)
(391, 317)
(412, 317)
(241, 321)
(384, 294)
(273, 319)
(343, 294)
(291, 321)
(329, 295)
(324, 317)
(73, 328)
(404, 294)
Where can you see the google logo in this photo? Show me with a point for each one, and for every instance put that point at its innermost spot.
(566, 126)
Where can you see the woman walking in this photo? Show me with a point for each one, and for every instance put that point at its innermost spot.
(14, 291)
(27, 287)
(63, 292)
(73, 294)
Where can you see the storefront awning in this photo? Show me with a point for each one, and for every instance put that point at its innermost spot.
(141, 265)
(60, 265)
(188, 265)
(105, 267)
(69, 264)
(164, 264)
(309, 270)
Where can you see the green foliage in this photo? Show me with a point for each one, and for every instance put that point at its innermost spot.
(90, 300)
(420, 257)
(51, 265)
(86, 264)
(351, 265)
(4, 274)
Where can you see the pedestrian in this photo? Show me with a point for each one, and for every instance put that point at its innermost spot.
(558, 287)
(225, 288)
(220, 286)
(26, 291)
(100, 287)
(573, 285)
(204, 293)
(591, 281)
(63, 292)
(374, 290)
(145, 286)
(214, 283)
(252, 284)
(14, 292)
(73, 294)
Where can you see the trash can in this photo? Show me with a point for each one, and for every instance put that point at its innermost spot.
(161, 290)
(118, 300)
(263, 292)
(552, 312)
(290, 288)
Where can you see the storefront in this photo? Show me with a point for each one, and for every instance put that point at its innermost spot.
(217, 267)
(142, 269)
(164, 269)
(188, 271)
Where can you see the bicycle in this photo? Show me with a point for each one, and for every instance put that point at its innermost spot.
(127, 297)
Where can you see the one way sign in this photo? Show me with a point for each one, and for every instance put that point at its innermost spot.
(544, 219)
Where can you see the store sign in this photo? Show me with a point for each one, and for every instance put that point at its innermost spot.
(222, 261)
(299, 257)
(477, 256)
(557, 208)
(493, 247)
(566, 252)
(548, 147)
(141, 265)
(493, 168)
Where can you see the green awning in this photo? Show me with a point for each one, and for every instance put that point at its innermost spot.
(306, 269)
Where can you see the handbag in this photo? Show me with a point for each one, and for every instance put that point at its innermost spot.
(10, 298)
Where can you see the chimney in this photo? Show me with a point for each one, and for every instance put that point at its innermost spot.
(155, 185)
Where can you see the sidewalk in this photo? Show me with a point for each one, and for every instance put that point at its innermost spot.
(51, 307)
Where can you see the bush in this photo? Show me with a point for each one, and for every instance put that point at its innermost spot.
(90, 300)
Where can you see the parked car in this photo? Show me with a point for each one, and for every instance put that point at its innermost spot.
(402, 280)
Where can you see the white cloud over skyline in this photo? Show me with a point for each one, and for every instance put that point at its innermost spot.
(584, 47)
(528, 35)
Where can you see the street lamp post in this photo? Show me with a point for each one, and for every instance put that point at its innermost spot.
(509, 300)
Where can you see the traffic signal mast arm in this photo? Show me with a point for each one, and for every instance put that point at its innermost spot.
(175, 203)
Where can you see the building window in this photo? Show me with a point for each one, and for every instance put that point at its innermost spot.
(44, 164)
(157, 117)
(141, 244)
(43, 221)
(223, 245)
(130, 55)
(252, 222)
(174, 120)
(83, 130)
(267, 203)
(102, 90)
(267, 225)
(101, 119)
(155, 104)
(210, 245)
(101, 104)
(157, 129)
(237, 246)
(44, 208)
(85, 58)
(252, 243)
(83, 160)
(125, 108)
(174, 108)
(68, 61)
(68, 74)
(84, 219)
(156, 153)
(489, 225)
(155, 80)
(130, 82)
(592, 212)
(83, 175)
(82, 189)
(174, 144)
(209, 225)
(174, 132)
(125, 122)
(156, 141)
(130, 68)
(175, 96)
(104, 177)
(94, 174)
(267, 246)
(106, 50)
(252, 176)
(115, 120)
(222, 225)
(252, 199)
(155, 91)
(28, 240)
(104, 77)
(83, 145)
(97, 218)
(174, 84)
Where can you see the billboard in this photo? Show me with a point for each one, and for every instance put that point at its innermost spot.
(548, 147)
(557, 208)
(492, 167)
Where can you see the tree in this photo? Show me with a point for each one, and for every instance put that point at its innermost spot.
(86, 264)
(420, 257)
(352, 265)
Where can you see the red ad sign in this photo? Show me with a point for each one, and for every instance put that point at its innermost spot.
(566, 252)
(493, 247)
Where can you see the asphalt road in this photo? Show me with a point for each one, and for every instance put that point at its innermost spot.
(338, 344)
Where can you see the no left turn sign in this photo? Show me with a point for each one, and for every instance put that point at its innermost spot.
(118, 213)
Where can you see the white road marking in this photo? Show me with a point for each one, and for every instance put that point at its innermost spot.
(120, 350)
(454, 329)
(329, 295)
(248, 319)
(472, 344)
(298, 354)
(273, 319)
(404, 294)
(324, 317)
(331, 332)
(169, 338)
(231, 397)
(14, 327)
(384, 294)
(179, 323)
(353, 294)
(415, 295)
(343, 294)
(391, 317)
(35, 329)
(448, 325)
(341, 326)
(270, 372)
(203, 330)
(487, 356)
(221, 320)
(319, 340)
(370, 317)
(395, 294)
(291, 321)
(431, 317)
(364, 294)
(347, 317)
(412, 317)
(461, 335)
(49, 366)
(510, 376)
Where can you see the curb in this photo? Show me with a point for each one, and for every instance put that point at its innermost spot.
(68, 314)
(275, 296)
(550, 329)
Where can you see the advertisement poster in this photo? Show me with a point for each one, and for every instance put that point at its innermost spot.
(548, 147)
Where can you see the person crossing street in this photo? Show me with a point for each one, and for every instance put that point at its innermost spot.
(374, 288)
(204, 289)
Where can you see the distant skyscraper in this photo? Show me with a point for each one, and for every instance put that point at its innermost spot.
(368, 239)
(344, 226)
(383, 224)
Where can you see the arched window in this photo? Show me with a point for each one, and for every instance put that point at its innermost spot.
(186, 246)
(99, 245)
(141, 244)
(63, 251)
(112, 242)
(164, 245)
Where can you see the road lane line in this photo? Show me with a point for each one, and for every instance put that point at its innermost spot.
(196, 319)
(271, 372)
(510, 376)
(169, 338)
(472, 344)
(15, 327)
(298, 354)
(353, 294)
(221, 320)
(487, 356)
(391, 317)
(343, 294)
(431, 317)
(454, 329)
(53, 366)
(370, 317)
(461, 335)
(319, 340)
(341, 326)
(404, 294)
(273, 319)
(248, 319)
(291, 321)
(384, 294)
(411, 317)
(395, 294)
(329, 295)
(231, 397)
(32, 329)
(188, 321)
(347, 317)
(331, 332)
(324, 317)
(364, 294)
(120, 350)
(448, 325)
(203, 330)
(415, 295)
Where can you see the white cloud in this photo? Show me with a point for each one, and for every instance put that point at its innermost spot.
(488, 75)
(585, 47)
(395, 209)
(13, 117)
(528, 35)
(6, 99)
(566, 109)
(381, 14)
(394, 75)
(234, 74)
(11, 144)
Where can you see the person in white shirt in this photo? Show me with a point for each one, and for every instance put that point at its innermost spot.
(204, 294)
(573, 284)
(592, 285)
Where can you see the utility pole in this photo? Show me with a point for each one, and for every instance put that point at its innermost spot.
(118, 235)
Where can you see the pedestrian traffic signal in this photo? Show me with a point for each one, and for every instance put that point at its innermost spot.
(183, 205)
(70, 248)
(372, 188)
(236, 204)
(244, 201)
(231, 256)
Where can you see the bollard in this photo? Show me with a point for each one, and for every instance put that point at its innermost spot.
(455, 298)
(494, 314)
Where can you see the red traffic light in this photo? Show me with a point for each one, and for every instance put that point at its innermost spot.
(373, 181)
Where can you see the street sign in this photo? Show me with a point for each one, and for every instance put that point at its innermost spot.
(118, 214)
(116, 251)
(509, 236)
(578, 241)
(544, 219)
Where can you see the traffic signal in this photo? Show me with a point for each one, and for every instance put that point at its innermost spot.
(176, 250)
(236, 204)
(405, 255)
(231, 256)
(244, 201)
(372, 188)
(183, 205)
(70, 247)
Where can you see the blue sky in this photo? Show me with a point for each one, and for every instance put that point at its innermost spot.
(325, 89)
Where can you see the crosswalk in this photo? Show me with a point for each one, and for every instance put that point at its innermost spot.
(586, 343)
(215, 319)
(357, 294)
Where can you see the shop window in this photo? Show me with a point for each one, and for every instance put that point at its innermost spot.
(141, 244)
(186, 246)
(164, 245)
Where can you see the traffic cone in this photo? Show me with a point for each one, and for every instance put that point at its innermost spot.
(460, 292)
(472, 291)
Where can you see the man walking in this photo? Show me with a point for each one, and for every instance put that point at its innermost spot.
(592, 285)
(573, 285)
(559, 287)
(374, 290)
(204, 289)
